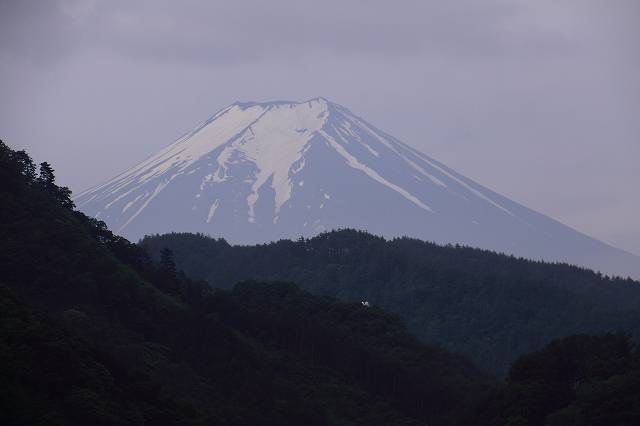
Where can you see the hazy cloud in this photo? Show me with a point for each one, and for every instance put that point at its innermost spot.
(538, 100)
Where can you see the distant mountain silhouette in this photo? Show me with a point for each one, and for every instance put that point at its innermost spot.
(256, 172)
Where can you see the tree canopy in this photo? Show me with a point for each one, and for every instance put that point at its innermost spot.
(92, 331)
(488, 306)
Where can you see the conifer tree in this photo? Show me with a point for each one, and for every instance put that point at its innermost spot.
(47, 181)
(25, 165)
(47, 177)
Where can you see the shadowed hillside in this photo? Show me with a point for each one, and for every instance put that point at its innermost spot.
(92, 332)
(488, 306)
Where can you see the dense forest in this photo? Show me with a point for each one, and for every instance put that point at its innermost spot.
(580, 380)
(92, 331)
(488, 306)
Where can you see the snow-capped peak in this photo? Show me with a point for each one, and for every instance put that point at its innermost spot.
(258, 171)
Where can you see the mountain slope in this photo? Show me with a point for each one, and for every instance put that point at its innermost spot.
(487, 306)
(257, 172)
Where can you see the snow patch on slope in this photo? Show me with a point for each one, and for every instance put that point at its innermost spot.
(275, 144)
(464, 184)
(158, 189)
(212, 210)
(354, 163)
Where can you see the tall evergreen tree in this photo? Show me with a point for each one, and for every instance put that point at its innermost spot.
(47, 181)
(25, 164)
(47, 176)
(64, 196)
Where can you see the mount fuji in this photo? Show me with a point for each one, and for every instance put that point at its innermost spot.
(256, 172)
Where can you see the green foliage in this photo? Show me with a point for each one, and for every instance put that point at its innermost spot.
(93, 332)
(488, 306)
(50, 376)
(19, 173)
(579, 380)
(47, 178)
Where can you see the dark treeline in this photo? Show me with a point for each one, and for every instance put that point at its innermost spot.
(579, 380)
(488, 306)
(94, 332)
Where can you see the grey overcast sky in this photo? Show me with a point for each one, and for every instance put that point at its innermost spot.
(536, 99)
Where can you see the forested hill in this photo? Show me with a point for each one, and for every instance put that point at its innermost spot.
(92, 332)
(488, 306)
